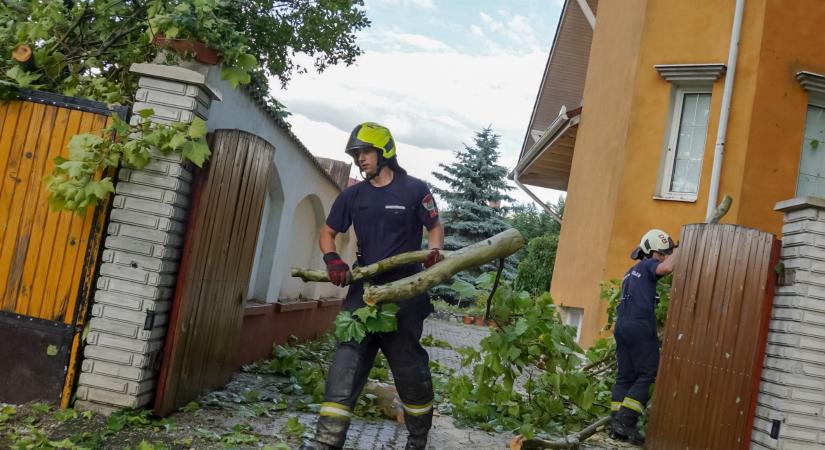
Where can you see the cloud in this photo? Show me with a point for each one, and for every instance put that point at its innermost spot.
(396, 40)
(433, 102)
(513, 30)
(493, 25)
(420, 41)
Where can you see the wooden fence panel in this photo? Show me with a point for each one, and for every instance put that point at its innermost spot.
(207, 313)
(47, 259)
(714, 340)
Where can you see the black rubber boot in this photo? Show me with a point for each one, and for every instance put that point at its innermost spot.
(624, 427)
(330, 434)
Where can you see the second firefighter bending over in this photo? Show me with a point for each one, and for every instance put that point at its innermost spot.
(637, 342)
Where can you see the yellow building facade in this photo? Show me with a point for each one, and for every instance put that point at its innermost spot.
(643, 142)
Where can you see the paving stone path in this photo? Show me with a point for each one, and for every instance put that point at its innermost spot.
(378, 434)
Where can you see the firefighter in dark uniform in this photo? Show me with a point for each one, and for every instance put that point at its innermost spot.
(637, 343)
(388, 211)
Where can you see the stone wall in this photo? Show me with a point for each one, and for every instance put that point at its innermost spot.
(790, 411)
(142, 249)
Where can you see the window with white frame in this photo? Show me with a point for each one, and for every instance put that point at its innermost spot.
(811, 181)
(573, 318)
(686, 143)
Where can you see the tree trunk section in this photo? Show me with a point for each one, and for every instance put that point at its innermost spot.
(499, 246)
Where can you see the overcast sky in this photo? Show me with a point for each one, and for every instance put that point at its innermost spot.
(434, 72)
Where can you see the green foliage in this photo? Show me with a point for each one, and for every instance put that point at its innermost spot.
(430, 341)
(532, 222)
(63, 415)
(354, 326)
(535, 270)
(294, 428)
(531, 338)
(381, 369)
(74, 184)
(85, 48)
(611, 292)
(240, 434)
(191, 407)
(306, 366)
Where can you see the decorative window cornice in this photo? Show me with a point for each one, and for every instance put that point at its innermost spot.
(814, 83)
(676, 73)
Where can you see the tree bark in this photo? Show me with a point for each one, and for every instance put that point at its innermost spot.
(501, 245)
(367, 272)
(571, 441)
(721, 210)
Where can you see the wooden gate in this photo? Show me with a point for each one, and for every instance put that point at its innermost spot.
(714, 344)
(47, 259)
(215, 269)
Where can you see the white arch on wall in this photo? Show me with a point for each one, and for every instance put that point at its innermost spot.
(307, 219)
(270, 227)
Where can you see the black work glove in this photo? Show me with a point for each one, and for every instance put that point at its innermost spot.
(337, 269)
(433, 257)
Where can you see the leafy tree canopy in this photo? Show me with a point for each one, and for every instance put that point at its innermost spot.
(84, 47)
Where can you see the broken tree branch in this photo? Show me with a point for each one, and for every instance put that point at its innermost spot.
(366, 272)
(571, 441)
(721, 210)
(499, 246)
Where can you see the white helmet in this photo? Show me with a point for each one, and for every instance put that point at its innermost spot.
(654, 241)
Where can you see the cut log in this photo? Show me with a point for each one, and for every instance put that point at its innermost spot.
(24, 56)
(571, 441)
(387, 398)
(499, 246)
(367, 272)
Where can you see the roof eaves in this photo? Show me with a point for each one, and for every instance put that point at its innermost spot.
(525, 146)
(273, 115)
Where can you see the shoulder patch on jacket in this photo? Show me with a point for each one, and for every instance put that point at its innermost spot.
(429, 204)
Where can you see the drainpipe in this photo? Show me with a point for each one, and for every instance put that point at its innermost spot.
(721, 134)
(544, 206)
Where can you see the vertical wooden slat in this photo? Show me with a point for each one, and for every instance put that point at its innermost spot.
(38, 264)
(215, 270)
(60, 238)
(35, 213)
(713, 350)
(16, 240)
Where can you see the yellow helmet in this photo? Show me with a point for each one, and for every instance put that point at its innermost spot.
(371, 135)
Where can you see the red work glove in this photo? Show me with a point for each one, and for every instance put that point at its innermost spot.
(337, 269)
(434, 257)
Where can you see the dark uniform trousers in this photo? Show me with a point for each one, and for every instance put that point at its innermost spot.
(637, 354)
(353, 361)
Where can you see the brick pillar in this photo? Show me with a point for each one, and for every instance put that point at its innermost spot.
(791, 398)
(139, 267)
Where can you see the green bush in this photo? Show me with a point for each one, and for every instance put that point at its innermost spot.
(536, 270)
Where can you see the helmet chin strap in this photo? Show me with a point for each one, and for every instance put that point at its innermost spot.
(381, 164)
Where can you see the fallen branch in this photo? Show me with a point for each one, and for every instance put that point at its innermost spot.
(499, 246)
(366, 272)
(571, 441)
(721, 210)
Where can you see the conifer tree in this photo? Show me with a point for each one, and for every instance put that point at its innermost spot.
(475, 188)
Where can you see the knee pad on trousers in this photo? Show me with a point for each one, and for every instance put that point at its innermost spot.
(415, 387)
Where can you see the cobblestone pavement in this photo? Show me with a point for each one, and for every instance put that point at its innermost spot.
(378, 434)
